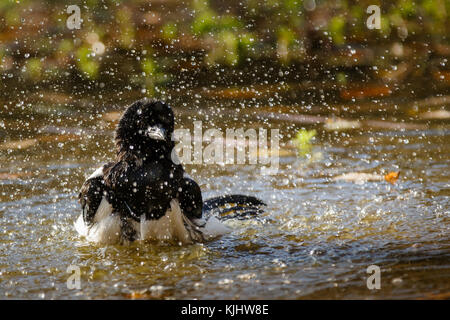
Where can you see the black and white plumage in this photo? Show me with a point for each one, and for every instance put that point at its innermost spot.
(143, 194)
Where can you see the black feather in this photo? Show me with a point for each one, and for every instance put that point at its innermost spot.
(90, 196)
(143, 179)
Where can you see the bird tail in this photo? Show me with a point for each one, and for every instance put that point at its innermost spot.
(234, 206)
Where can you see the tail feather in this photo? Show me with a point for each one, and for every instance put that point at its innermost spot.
(235, 206)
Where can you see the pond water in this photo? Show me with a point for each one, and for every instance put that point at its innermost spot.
(316, 239)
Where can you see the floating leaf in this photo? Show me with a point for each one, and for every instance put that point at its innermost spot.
(341, 124)
(358, 177)
(372, 91)
(392, 177)
(138, 295)
(58, 138)
(361, 177)
(112, 116)
(18, 144)
(436, 115)
(14, 176)
(303, 141)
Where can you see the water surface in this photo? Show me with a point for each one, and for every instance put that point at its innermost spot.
(315, 240)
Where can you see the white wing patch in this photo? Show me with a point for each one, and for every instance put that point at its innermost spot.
(186, 176)
(96, 173)
(106, 227)
(104, 210)
(212, 228)
(172, 227)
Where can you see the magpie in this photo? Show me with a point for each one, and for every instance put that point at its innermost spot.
(145, 195)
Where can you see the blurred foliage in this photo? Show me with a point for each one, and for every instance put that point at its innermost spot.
(302, 141)
(34, 38)
(85, 62)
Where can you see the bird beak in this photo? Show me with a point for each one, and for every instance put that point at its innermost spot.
(156, 133)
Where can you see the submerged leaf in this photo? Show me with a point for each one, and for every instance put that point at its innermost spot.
(341, 124)
(18, 144)
(14, 176)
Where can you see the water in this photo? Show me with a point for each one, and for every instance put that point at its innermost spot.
(315, 240)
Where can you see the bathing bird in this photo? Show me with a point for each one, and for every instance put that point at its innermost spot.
(145, 194)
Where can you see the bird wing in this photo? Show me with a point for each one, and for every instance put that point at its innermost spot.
(190, 198)
(234, 206)
(91, 195)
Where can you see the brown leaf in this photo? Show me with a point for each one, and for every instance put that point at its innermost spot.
(14, 176)
(358, 177)
(436, 296)
(442, 76)
(138, 295)
(112, 116)
(436, 115)
(18, 144)
(392, 177)
(366, 92)
(58, 138)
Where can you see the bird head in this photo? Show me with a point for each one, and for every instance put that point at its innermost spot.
(146, 128)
